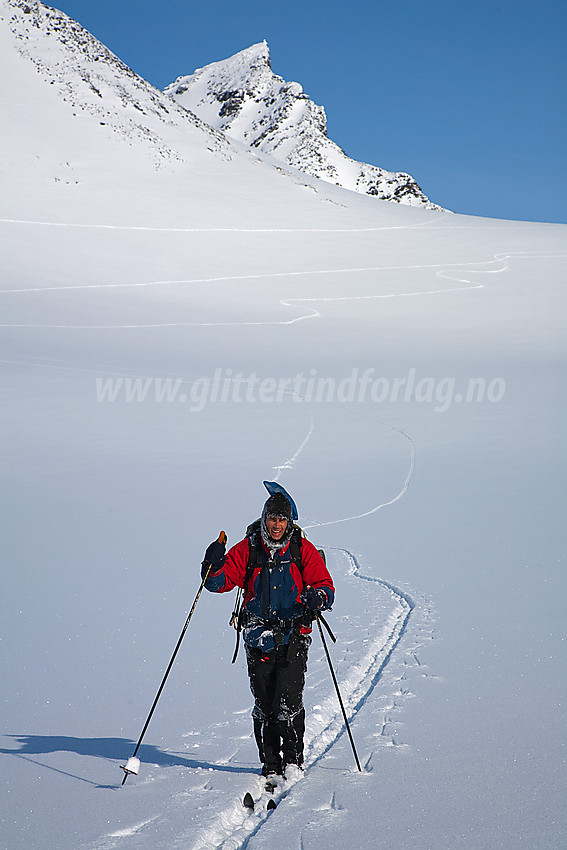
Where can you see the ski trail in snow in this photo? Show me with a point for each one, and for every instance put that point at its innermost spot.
(445, 271)
(235, 826)
(288, 464)
(135, 227)
(409, 475)
(433, 222)
(268, 276)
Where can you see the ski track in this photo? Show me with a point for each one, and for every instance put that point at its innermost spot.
(432, 220)
(318, 524)
(144, 228)
(446, 271)
(235, 826)
(288, 464)
(464, 285)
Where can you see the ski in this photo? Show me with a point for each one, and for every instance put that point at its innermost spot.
(268, 787)
(249, 803)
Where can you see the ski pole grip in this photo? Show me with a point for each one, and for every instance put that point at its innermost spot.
(222, 538)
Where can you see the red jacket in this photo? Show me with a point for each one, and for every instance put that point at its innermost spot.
(276, 597)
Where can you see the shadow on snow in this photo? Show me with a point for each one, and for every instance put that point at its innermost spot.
(108, 748)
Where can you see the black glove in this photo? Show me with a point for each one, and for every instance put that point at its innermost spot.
(315, 600)
(213, 557)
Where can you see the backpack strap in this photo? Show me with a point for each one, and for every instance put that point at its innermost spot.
(253, 554)
(295, 548)
(237, 614)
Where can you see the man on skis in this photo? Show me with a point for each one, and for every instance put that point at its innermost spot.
(285, 581)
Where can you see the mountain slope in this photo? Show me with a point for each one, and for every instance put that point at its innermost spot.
(90, 78)
(243, 97)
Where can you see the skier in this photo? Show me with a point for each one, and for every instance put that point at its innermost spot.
(285, 581)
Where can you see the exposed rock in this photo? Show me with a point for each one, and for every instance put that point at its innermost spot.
(92, 80)
(243, 98)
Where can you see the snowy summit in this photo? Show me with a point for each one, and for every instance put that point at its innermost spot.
(244, 98)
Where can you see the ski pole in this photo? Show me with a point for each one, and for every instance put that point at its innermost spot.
(318, 617)
(133, 763)
(327, 626)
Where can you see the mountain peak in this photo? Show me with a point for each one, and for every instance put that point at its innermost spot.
(257, 54)
(252, 60)
(242, 97)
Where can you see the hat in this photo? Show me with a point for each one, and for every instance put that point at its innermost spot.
(278, 505)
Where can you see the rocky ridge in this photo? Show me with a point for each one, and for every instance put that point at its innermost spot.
(92, 80)
(243, 98)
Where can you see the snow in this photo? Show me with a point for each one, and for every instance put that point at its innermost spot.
(132, 765)
(329, 341)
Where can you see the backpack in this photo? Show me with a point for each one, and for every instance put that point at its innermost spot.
(253, 535)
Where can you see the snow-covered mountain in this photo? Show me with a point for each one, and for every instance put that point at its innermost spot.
(257, 107)
(243, 97)
(92, 80)
(180, 319)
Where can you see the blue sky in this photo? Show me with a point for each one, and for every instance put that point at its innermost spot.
(468, 97)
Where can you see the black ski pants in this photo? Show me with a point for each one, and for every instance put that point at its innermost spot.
(277, 679)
